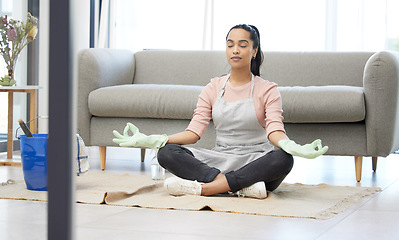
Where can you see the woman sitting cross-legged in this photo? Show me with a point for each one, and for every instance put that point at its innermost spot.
(253, 154)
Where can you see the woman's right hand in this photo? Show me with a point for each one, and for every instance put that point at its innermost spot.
(138, 139)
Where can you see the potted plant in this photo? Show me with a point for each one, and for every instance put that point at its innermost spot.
(15, 35)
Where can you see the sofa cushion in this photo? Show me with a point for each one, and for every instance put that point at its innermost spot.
(313, 104)
(145, 101)
(323, 104)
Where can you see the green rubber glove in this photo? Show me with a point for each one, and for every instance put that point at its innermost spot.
(311, 150)
(139, 139)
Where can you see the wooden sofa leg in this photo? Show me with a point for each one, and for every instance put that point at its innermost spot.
(358, 168)
(142, 154)
(374, 163)
(103, 154)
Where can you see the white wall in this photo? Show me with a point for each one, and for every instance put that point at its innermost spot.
(80, 15)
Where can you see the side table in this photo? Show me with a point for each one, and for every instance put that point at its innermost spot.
(32, 90)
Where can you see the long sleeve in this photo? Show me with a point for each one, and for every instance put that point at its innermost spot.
(268, 105)
(274, 111)
(203, 113)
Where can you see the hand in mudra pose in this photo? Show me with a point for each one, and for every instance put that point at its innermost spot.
(139, 139)
(311, 150)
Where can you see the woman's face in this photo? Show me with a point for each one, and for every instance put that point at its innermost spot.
(239, 49)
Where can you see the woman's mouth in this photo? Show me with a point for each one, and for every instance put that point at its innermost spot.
(236, 59)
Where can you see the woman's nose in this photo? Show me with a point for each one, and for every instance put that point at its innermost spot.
(235, 50)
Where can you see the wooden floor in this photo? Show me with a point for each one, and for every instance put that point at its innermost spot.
(374, 218)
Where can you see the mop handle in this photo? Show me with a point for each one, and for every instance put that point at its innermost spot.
(25, 128)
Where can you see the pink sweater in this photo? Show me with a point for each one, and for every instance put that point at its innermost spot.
(267, 101)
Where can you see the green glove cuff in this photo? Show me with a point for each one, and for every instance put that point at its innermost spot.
(154, 141)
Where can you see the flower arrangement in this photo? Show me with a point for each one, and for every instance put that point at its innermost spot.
(15, 35)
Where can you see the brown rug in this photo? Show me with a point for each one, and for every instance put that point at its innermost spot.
(289, 200)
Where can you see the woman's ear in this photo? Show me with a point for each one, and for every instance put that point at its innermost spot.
(255, 52)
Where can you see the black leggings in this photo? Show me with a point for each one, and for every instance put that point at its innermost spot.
(271, 168)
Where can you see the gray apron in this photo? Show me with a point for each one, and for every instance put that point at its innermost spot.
(240, 139)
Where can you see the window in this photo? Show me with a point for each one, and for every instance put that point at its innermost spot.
(286, 25)
(283, 25)
(361, 25)
(392, 29)
(154, 24)
(15, 9)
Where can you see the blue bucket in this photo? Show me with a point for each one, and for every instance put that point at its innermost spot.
(34, 161)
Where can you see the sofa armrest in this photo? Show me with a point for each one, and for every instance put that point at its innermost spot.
(381, 89)
(100, 68)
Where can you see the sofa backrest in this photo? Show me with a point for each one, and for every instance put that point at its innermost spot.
(179, 67)
(284, 68)
(315, 68)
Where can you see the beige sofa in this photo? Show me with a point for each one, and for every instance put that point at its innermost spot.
(347, 99)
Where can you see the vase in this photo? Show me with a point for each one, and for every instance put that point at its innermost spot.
(8, 80)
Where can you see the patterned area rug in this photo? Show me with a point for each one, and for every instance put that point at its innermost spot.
(289, 200)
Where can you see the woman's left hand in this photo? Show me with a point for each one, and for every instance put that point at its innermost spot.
(311, 150)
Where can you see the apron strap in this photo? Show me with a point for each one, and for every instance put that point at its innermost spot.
(252, 86)
(221, 92)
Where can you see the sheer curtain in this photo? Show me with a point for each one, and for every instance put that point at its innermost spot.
(392, 29)
(286, 25)
(361, 25)
(155, 24)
